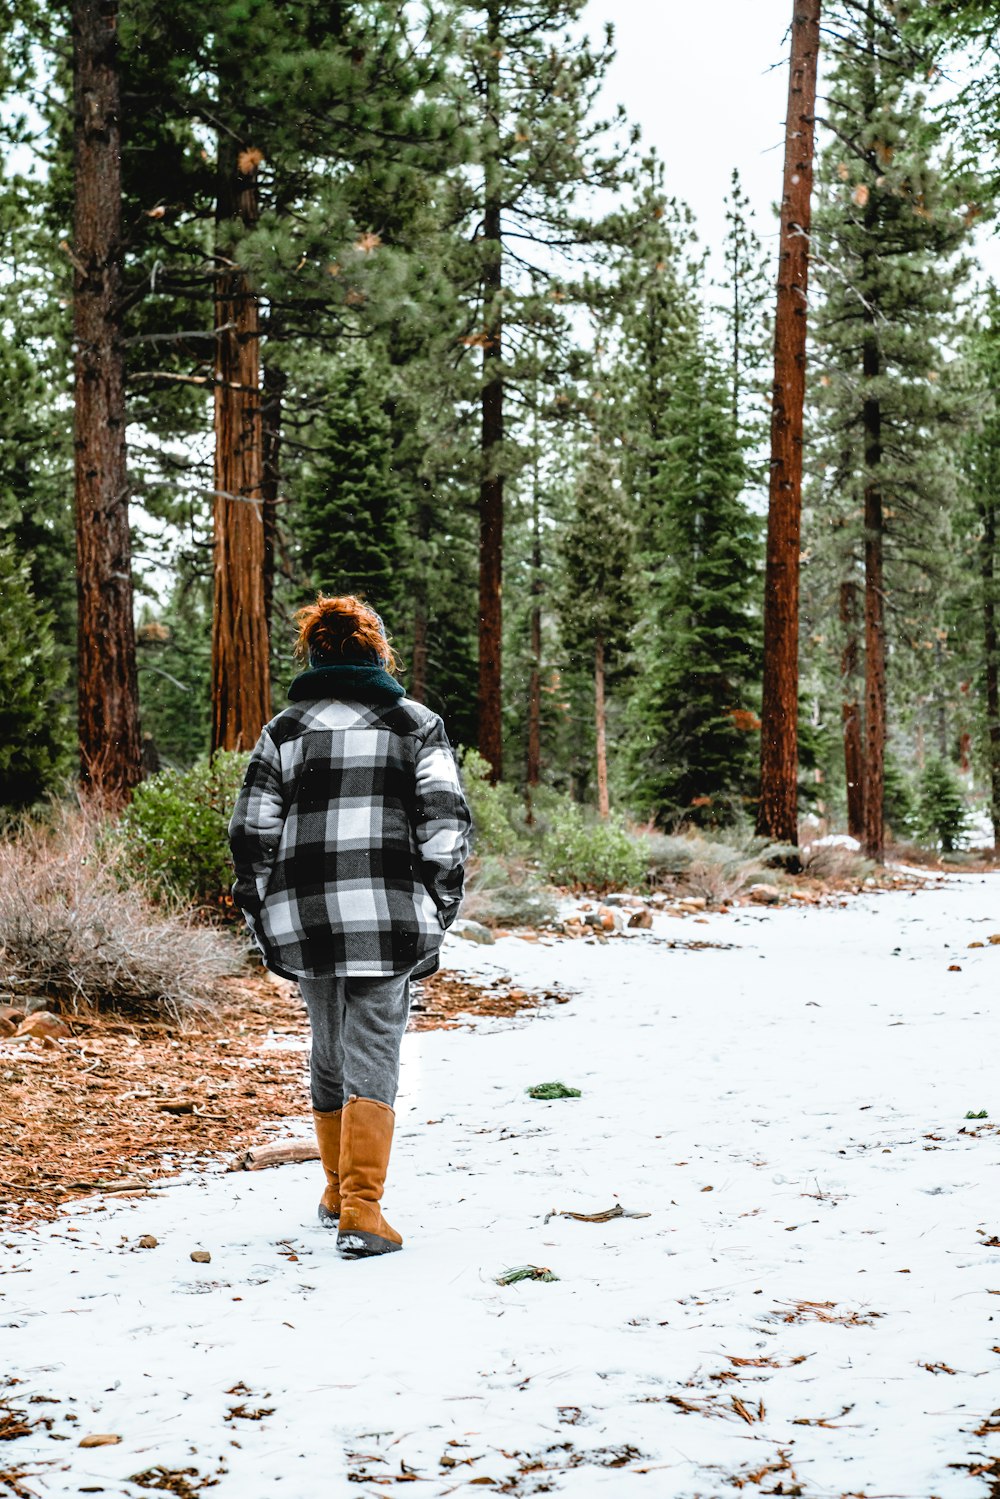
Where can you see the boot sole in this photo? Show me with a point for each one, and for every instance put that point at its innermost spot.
(358, 1245)
(328, 1219)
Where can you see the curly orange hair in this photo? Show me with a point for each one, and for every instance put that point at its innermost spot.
(344, 627)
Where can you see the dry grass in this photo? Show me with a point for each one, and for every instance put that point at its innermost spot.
(506, 893)
(831, 861)
(72, 931)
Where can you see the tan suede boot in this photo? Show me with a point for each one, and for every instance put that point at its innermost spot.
(328, 1131)
(365, 1143)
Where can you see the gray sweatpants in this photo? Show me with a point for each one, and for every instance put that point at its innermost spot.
(357, 1028)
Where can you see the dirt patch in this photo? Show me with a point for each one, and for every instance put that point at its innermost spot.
(120, 1105)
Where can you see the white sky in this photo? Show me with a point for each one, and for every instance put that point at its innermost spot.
(701, 82)
(708, 86)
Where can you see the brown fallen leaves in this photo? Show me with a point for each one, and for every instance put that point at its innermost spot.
(450, 999)
(823, 1311)
(101, 1109)
(117, 1105)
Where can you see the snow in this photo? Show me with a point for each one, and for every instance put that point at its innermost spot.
(788, 1111)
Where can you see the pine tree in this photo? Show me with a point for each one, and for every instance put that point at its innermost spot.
(527, 94)
(887, 230)
(941, 813)
(777, 811)
(34, 718)
(597, 584)
(981, 471)
(692, 727)
(745, 312)
(350, 527)
(107, 688)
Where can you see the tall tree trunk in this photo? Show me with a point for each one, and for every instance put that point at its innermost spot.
(777, 815)
(871, 423)
(601, 725)
(241, 689)
(491, 484)
(875, 698)
(987, 565)
(275, 382)
(534, 765)
(108, 697)
(418, 673)
(851, 713)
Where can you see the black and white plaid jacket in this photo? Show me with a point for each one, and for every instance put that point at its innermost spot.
(349, 837)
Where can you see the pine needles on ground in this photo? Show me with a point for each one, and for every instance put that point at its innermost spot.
(525, 1272)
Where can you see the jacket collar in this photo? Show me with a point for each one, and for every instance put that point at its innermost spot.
(358, 683)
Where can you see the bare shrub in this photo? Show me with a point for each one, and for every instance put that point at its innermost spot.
(72, 930)
(709, 864)
(831, 861)
(505, 892)
(722, 873)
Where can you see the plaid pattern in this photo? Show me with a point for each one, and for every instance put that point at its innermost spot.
(349, 837)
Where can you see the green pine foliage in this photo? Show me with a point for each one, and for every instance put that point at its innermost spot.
(597, 575)
(175, 662)
(349, 525)
(899, 800)
(34, 719)
(692, 727)
(890, 222)
(941, 811)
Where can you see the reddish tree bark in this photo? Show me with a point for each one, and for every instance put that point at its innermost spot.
(108, 697)
(491, 485)
(534, 766)
(241, 690)
(275, 381)
(777, 815)
(851, 713)
(987, 565)
(875, 700)
(418, 665)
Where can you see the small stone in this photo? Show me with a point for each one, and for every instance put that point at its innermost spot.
(201, 1256)
(7, 1027)
(99, 1439)
(148, 1241)
(473, 931)
(43, 1023)
(643, 919)
(12, 1013)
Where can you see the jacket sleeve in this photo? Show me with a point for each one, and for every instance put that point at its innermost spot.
(255, 827)
(443, 821)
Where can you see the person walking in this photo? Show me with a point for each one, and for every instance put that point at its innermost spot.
(349, 839)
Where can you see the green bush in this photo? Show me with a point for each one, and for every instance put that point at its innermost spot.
(495, 809)
(173, 835)
(898, 804)
(579, 849)
(941, 814)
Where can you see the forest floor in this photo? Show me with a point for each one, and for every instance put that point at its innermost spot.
(807, 1300)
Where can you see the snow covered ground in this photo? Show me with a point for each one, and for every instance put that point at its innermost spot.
(811, 1307)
